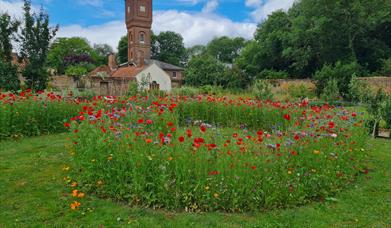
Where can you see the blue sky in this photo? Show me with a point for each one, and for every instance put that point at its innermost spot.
(198, 21)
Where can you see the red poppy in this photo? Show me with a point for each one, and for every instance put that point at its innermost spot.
(215, 172)
(181, 139)
(103, 129)
(189, 133)
(331, 125)
(140, 121)
(170, 124)
(149, 122)
(203, 129)
(287, 117)
(67, 125)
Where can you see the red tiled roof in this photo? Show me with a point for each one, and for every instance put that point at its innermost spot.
(104, 68)
(128, 71)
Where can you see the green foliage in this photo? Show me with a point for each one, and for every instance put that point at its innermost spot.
(300, 91)
(8, 29)
(331, 92)
(185, 91)
(168, 47)
(133, 88)
(225, 49)
(386, 111)
(34, 115)
(9, 79)
(271, 74)
(76, 71)
(359, 91)
(123, 50)
(204, 70)
(386, 69)
(102, 51)
(62, 48)
(35, 38)
(262, 89)
(314, 33)
(341, 73)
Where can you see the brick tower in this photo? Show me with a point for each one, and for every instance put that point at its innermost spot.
(139, 23)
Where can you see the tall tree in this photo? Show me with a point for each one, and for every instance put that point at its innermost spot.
(168, 47)
(8, 72)
(64, 49)
(225, 49)
(35, 39)
(123, 50)
(102, 51)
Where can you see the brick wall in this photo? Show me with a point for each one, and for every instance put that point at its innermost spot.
(375, 82)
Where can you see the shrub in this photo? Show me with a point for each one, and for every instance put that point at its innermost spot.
(300, 91)
(331, 91)
(341, 73)
(386, 69)
(133, 88)
(359, 91)
(272, 74)
(9, 80)
(76, 71)
(185, 91)
(386, 111)
(262, 89)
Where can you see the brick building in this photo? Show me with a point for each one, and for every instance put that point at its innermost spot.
(114, 79)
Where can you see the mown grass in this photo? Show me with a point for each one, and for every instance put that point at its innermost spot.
(32, 195)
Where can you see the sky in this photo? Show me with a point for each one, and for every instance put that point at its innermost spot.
(198, 21)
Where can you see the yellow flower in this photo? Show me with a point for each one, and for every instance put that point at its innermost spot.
(316, 152)
(207, 188)
(289, 172)
(216, 195)
(67, 168)
(109, 158)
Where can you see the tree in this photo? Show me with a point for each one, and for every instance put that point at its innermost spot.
(204, 70)
(8, 72)
(102, 51)
(63, 49)
(315, 33)
(123, 50)
(168, 47)
(8, 29)
(35, 39)
(225, 49)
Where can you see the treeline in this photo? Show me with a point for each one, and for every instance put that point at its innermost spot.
(319, 39)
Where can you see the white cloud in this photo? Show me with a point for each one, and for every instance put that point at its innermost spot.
(210, 6)
(13, 8)
(196, 28)
(262, 10)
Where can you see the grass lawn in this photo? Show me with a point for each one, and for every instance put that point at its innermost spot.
(31, 195)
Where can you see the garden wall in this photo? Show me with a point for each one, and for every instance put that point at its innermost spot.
(375, 82)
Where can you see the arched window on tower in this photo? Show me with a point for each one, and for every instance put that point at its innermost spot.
(142, 38)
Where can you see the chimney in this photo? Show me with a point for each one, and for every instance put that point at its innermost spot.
(112, 63)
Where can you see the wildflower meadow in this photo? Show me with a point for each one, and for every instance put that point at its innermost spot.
(233, 155)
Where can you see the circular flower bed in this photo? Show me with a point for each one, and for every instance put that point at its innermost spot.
(208, 154)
